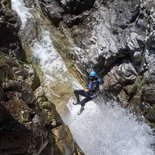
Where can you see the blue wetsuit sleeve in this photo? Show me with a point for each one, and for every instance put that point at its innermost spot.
(90, 86)
(93, 86)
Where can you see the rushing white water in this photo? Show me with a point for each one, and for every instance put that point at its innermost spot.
(19, 7)
(102, 129)
(53, 66)
(50, 61)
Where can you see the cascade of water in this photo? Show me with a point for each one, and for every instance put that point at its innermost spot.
(102, 129)
(50, 60)
(19, 7)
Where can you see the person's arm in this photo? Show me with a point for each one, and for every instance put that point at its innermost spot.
(87, 88)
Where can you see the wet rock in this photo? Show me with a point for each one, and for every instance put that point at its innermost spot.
(145, 107)
(120, 76)
(116, 38)
(9, 26)
(35, 81)
(149, 93)
(76, 6)
(12, 85)
(11, 62)
(29, 3)
(26, 122)
(58, 11)
(30, 33)
(6, 72)
(6, 3)
(126, 11)
(123, 98)
(102, 40)
(151, 115)
(27, 94)
(24, 117)
(135, 43)
(135, 95)
(53, 11)
(62, 134)
(149, 87)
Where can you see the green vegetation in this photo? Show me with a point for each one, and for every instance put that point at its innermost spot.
(137, 93)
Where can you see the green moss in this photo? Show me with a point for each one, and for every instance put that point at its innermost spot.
(137, 93)
(38, 70)
(139, 83)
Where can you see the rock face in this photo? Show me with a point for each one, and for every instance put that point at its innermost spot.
(116, 38)
(29, 122)
(9, 25)
(69, 11)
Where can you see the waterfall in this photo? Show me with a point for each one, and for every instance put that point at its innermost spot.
(108, 129)
(23, 12)
(103, 128)
(49, 59)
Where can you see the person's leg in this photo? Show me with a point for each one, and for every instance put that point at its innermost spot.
(85, 100)
(78, 93)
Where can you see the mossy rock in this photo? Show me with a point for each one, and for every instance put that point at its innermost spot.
(151, 115)
(48, 116)
(24, 117)
(6, 72)
(63, 138)
(136, 89)
(130, 89)
(152, 125)
(46, 105)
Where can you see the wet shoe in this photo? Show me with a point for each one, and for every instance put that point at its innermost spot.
(81, 110)
(76, 103)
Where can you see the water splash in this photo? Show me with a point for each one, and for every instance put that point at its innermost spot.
(103, 129)
(49, 59)
(23, 12)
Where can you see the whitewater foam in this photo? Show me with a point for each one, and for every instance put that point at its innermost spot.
(109, 130)
(23, 12)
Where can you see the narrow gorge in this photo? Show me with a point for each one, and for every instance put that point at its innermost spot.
(48, 47)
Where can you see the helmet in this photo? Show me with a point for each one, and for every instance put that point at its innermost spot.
(93, 74)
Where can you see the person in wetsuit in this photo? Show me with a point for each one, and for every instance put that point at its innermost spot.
(90, 92)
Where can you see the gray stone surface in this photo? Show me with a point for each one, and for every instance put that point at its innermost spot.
(116, 38)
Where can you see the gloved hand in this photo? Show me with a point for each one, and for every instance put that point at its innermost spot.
(86, 90)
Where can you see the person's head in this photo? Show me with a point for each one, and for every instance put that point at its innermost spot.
(92, 75)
